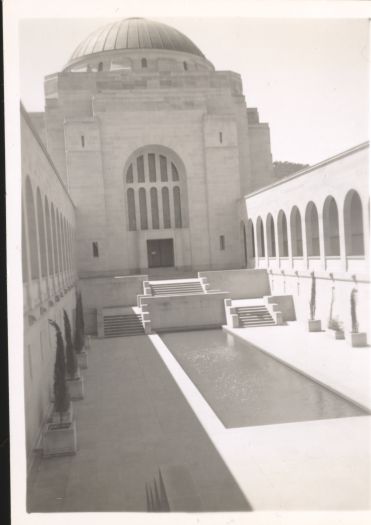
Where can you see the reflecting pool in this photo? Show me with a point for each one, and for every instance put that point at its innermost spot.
(246, 387)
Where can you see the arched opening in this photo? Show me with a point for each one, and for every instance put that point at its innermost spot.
(49, 238)
(32, 231)
(296, 233)
(41, 225)
(331, 227)
(312, 230)
(158, 174)
(271, 241)
(144, 62)
(283, 245)
(55, 244)
(250, 239)
(244, 243)
(260, 236)
(353, 224)
(24, 251)
(100, 66)
(185, 66)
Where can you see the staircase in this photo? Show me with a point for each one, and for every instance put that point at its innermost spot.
(176, 287)
(255, 315)
(121, 325)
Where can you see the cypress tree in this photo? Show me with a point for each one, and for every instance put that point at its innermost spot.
(79, 331)
(71, 361)
(312, 304)
(353, 311)
(61, 394)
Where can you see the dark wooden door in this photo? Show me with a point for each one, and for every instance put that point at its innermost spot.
(160, 253)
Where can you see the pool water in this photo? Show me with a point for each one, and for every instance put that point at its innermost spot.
(246, 387)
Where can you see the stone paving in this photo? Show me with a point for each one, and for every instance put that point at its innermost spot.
(133, 421)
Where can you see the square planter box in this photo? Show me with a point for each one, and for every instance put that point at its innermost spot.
(67, 417)
(59, 439)
(339, 334)
(314, 325)
(357, 338)
(76, 388)
(82, 359)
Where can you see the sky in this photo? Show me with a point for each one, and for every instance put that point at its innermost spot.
(307, 77)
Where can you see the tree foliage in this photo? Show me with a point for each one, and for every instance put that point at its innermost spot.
(79, 331)
(61, 394)
(353, 310)
(312, 304)
(71, 361)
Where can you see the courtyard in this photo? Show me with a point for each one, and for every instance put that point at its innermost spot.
(142, 413)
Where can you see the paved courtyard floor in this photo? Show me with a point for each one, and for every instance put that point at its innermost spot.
(133, 421)
(142, 412)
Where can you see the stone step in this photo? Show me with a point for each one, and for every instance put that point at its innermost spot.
(122, 325)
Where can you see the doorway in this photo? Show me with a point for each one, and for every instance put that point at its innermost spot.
(160, 253)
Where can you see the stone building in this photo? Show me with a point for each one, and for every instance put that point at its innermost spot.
(147, 159)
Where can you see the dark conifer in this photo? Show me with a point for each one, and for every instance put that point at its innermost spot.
(71, 361)
(61, 394)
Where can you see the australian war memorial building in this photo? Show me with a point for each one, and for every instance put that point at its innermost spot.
(148, 186)
(156, 147)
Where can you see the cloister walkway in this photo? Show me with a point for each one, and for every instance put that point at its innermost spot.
(133, 421)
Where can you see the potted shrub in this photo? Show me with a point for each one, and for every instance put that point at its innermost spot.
(82, 355)
(74, 379)
(356, 338)
(314, 325)
(337, 326)
(59, 434)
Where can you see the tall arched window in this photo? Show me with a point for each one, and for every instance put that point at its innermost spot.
(41, 225)
(260, 236)
(331, 227)
(296, 233)
(250, 239)
(312, 230)
(283, 245)
(155, 176)
(166, 207)
(154, 209)
(32, 231)
(177, 207)
(55, 243)
(353, 224)
(49, 238)
(131, 210)
(271, 241)
(143, 209)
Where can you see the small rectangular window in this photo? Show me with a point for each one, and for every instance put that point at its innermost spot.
(83, 141)
(95, 249)
(222, 242)
(220, 137)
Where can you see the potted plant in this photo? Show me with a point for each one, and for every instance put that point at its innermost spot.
(356, 338)
(59, 434)
(82, 355)
(314, 325)
(74, 379)
(337, 326)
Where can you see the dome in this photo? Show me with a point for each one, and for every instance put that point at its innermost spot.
(134, 33)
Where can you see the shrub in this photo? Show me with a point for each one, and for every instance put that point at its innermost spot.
(71, 361)
(79, 331)
(353, 311)
(61, 394)
(312, 304)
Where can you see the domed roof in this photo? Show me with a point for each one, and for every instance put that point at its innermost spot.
(135, 33)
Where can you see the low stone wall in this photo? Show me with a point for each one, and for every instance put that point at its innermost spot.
(241, 284)
(285, 304)
(186, 312)
(101, 292)
(332, 296)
